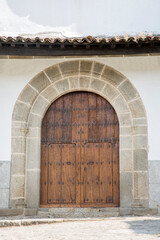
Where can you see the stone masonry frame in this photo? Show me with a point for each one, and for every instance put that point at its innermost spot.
(31, 106)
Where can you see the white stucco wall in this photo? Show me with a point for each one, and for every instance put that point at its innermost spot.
(142, 71)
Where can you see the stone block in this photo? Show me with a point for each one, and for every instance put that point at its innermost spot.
(125, 211)
(4, 174)
(139, 203)
(85, 67)
(74, 82)
(97, 84)
(126, 161)
(30, 212)
(125, 142)
(145, 211)
(34, 132)
(154, 171)
(97, 69)
(33, 150)
(53, 73)
(34, 121)
(140, 157)
(20, 112)
(18, 124)
(126, 189)
(39, 82)
(33, 190)
(50, 93)
(125, 119)
(16, 132)
(154, 195)
(140, 185)
(40, 105)
(125, 130)
(4, 198)
(112, 76)
(128, 90)
(62, 86)
(84, 82)
(18, 164)
(140, 141)
(137, 109)
(120, 105)
(139, 121)
(17, 202)
(18, 145)
(110, 92)
(69, 68)
(139, 130)
(28, 95)
(7, 212)
(17, 186)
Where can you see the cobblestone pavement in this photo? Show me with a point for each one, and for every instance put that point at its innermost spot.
(120, 228)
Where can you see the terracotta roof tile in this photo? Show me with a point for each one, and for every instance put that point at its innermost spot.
(141, 37)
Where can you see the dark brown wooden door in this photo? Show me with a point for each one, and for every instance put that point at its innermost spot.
(80, 153)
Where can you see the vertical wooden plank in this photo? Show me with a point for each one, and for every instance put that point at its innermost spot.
(92, 130)
(116, 173)
(44, 174)
(101, 119)
(68, 173)
(50, 128)
(54, 172)
(67, 118)
(106, 182)
(110, 122)
(58, 120)
(76, 139)
(84, 117)
(90, 172)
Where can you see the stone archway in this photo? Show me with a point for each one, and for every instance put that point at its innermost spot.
(32, 104)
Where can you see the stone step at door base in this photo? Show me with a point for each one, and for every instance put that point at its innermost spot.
(78, 212)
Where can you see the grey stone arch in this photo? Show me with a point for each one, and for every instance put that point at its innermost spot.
(45, 88)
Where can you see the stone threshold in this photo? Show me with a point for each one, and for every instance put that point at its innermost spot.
(14, 213)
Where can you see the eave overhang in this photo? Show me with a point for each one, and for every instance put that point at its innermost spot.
(88, 46)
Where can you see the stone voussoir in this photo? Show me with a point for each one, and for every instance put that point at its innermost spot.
(53, 73)
(28, 95)
(39, 105)
(114, 77)
(69, 68)
(97, 84)
(39, 82)
(20, 112)
(86, 67)
(62, 85)
(128, 90)
(50, 93)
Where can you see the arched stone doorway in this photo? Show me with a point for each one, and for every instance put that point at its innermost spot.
(32, 105)
(80, 152)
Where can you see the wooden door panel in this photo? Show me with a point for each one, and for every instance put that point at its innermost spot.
(90, 173)
(106, 172)
(116, 173)
(54, 174)
(44, 174)
(68, 173)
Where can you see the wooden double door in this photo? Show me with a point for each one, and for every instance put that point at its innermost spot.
(80, 153)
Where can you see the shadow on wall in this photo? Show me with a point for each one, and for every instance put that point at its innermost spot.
(149, 226)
